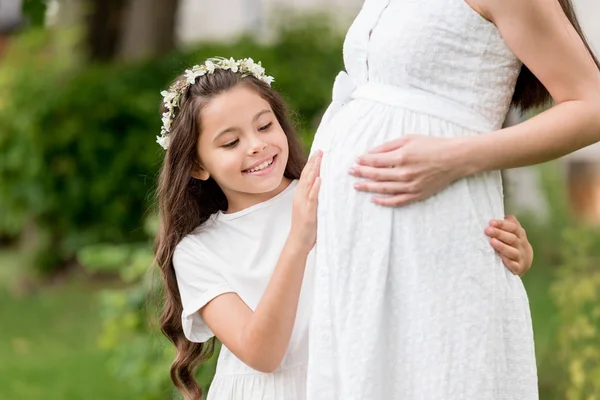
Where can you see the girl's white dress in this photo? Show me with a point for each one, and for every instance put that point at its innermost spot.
(236, 253)
(412, 303)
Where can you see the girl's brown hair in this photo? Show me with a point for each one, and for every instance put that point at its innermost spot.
(186, 203)
(529, 92)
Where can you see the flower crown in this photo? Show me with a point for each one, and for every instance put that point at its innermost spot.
(172, 97)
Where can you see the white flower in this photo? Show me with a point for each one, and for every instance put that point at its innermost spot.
(210, 67)
(222, 63)
(163, 141)
(268, 80)
(257, 70)
(192, 74)
(233, 65)
(168, 96)
(167, 120)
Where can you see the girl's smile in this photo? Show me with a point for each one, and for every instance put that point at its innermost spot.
(263, 167)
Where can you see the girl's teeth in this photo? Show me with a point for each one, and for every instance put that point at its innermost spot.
(261, 166)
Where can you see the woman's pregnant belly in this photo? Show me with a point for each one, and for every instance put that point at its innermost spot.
(441, 236)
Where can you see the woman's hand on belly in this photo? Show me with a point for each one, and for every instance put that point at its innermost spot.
(408, 169)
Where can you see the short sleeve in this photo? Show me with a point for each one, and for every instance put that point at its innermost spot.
(199, 283)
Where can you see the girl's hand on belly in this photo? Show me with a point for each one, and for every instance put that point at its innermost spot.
(509, 239)
(408, 169)
(304, 215)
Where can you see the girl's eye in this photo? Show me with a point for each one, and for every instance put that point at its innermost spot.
(265, 127)
(231, 144)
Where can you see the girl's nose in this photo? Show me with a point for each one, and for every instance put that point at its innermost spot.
(258, 146)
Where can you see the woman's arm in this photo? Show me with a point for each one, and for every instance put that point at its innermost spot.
(260, 338)
(539, 33)
(541, 36)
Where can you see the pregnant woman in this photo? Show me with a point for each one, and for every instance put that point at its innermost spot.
(411, 301)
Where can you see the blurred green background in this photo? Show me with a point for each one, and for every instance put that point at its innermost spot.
(79, 98)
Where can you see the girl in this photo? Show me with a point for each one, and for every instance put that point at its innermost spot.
(417, 124)
(238, 222)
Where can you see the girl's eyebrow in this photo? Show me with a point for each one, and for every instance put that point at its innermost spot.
(258, 115)
(233, 129)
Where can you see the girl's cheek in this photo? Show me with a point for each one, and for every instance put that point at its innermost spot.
(231, 164)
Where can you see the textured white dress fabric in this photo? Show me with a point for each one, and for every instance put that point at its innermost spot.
(412, 303)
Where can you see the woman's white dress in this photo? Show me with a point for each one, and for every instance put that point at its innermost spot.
(412, 303)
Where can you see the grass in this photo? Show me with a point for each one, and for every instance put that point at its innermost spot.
(48, 341)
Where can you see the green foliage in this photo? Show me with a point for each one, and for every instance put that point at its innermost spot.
(567, 262)
(577, 295)
(139, 353)
(47, 339)
(26, 77)
(545, 234)
(35, 10)
(78, 142)
(562, 285)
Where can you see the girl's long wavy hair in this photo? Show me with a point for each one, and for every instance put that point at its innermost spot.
(185, 203)
(529, 91)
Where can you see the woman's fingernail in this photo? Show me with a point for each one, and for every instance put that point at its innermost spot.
(351, 171)
(494, 222)
(489, 230)
(357, 186)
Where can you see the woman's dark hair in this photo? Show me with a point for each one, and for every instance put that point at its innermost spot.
(185, 203)
(529, 91)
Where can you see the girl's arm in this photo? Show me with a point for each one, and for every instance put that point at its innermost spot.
(260, 338)
(539, 33)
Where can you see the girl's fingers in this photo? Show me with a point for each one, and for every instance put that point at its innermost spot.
(307, 167)
(308, 174)
(512, 218)
(504, 236)
(512, 265)
(520, 230)
(505, 225)
(313, 195)
(318, 162)
(315, 173)
(505, 250)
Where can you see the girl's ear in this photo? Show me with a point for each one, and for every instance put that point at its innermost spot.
(199, 172)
